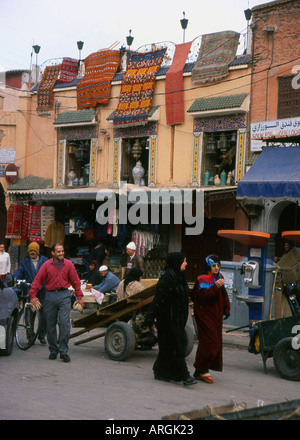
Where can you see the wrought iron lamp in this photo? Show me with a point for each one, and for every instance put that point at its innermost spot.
(36, 49)
(129, 39)
(80, 46)
(184, 22)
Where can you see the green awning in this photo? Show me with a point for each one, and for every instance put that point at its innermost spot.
(31, 182)
(76, 117)
(217, 103)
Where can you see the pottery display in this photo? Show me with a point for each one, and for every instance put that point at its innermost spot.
(138, 173)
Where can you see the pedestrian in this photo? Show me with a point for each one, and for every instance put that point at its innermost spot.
(58, 273)
(109, 283)
(4, 261)
(211, 306)
(27, 270)
(170, 308)
(131, 259)
(131, 284)
(94, 276)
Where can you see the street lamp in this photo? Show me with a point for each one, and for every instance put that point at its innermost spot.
(80, 46)
(184, 23)
(248, 15)
(36, 49)
(129, 39)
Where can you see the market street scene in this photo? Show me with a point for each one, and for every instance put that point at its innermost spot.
(93, 387)
(149, 212)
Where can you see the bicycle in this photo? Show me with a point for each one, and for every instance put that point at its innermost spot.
(27, 326)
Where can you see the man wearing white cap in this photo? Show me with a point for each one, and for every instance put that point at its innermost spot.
(109, 281)
(132, 259)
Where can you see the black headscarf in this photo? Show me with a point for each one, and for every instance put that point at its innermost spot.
(174, 262)
(133, 275)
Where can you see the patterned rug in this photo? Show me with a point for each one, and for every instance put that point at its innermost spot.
(100, 68)
(137, 87)
(45, 89)
(174, 85)
(69, 70)
(34, 224)
(14, 221)
(217, 51)
(25, 221)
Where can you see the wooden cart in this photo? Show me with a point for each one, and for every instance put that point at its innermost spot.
(120, 324)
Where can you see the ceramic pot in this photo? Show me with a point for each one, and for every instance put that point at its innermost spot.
(138, 173)
(217, 180)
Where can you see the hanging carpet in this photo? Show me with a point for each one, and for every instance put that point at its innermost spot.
(45, 89)
(100, 68)
(217, 51)
(137, 87)
(174, 85)
(69, 70)
(34, 224)
(14, 221)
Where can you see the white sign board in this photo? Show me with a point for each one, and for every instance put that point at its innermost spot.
(7, 155)
(280, 128)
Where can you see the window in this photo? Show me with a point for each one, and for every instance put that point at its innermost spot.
(288, 98)
(219, 152)
(134, 150)
(78, 163)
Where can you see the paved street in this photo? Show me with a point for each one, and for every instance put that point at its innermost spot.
(94, 387)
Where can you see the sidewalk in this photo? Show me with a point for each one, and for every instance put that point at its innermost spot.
(236, 338)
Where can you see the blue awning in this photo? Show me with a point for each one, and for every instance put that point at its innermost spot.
(274, 174)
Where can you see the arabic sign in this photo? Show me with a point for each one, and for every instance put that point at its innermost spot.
(279, 128)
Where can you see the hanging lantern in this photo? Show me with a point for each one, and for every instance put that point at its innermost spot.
(222, 143)
(136, 149)
(211, 145)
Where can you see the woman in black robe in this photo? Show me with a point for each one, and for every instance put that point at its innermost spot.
(170, 309)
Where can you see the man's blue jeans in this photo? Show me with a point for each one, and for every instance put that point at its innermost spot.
(57, 310)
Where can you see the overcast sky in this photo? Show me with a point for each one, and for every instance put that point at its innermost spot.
(56, 25)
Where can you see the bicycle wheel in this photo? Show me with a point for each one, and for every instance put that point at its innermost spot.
(27, 328)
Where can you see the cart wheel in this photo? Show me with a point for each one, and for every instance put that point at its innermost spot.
(119, 341)
(190, 340)
(287, 359)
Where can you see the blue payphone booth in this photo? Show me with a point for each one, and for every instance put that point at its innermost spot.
(253, 270)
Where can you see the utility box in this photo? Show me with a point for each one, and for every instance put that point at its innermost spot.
(289, 266)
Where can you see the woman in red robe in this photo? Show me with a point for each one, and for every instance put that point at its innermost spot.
(211, 306)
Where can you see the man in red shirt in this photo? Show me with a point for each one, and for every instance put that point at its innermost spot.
(58, 274)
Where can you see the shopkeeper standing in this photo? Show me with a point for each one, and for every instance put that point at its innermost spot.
(58, 273)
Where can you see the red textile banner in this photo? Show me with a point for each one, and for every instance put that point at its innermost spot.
(45, 89)
(14, 221)
(34, 224)
(69, 70)
(174, 85)
(100, 68)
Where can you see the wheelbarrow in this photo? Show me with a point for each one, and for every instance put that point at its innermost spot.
(121, 325)
(280, 339)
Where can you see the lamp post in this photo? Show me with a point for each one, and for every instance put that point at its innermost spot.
(129, 39)
(80, 46)
(248, 15)
(36, 49)
(184, 23)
